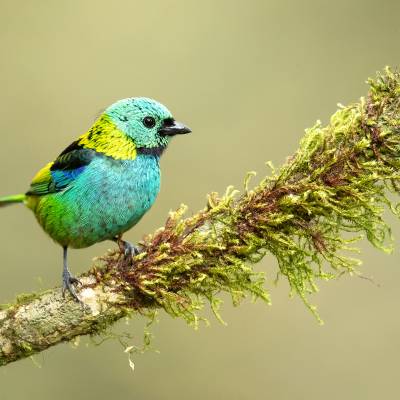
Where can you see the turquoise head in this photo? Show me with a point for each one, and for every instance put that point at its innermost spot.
(147, 122)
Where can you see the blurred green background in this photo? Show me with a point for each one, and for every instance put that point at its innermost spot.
(247, 77)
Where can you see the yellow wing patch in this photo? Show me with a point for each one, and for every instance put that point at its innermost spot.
(39, 184)
(43, 176)
(104, 137)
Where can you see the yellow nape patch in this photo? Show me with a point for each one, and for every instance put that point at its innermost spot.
(104, 137)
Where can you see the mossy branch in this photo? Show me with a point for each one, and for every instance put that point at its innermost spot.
(338, 182)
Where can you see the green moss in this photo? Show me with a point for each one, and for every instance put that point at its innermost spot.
(25, 298)
(5, 306)
(308, 214)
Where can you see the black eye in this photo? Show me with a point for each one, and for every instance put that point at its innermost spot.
(149, 122)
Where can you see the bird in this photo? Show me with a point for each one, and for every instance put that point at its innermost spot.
(103, 183)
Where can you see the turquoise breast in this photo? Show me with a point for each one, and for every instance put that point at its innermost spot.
(106, 200)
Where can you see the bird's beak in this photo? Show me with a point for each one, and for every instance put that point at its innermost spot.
(175, 128)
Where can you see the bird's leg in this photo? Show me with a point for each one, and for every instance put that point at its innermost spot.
(68, 280)
(126, 248)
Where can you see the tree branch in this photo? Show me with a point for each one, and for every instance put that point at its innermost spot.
(338, 181)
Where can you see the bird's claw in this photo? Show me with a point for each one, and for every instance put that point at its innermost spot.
(130, 250)
(68, 284)
(75, 281)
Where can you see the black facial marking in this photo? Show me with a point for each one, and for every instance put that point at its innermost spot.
(168, 122)
(151, 151)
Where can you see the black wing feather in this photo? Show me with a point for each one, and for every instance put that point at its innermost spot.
(63, 172)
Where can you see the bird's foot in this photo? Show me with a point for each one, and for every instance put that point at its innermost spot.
(128, 250)
(69, 283)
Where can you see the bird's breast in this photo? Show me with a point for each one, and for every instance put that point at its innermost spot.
(126, 185)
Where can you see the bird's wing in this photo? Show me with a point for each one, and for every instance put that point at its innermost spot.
(58, 175)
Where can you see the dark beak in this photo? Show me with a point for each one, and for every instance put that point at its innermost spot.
(173, 128)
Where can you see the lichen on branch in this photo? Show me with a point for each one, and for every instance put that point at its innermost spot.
(308, 215)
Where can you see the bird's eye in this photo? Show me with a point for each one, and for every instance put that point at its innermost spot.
(149, 122)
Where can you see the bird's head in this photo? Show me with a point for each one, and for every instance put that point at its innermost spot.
(147, 122)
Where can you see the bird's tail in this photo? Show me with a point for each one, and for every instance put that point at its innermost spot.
(6, 201)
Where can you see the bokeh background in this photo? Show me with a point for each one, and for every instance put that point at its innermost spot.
(248, 77)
